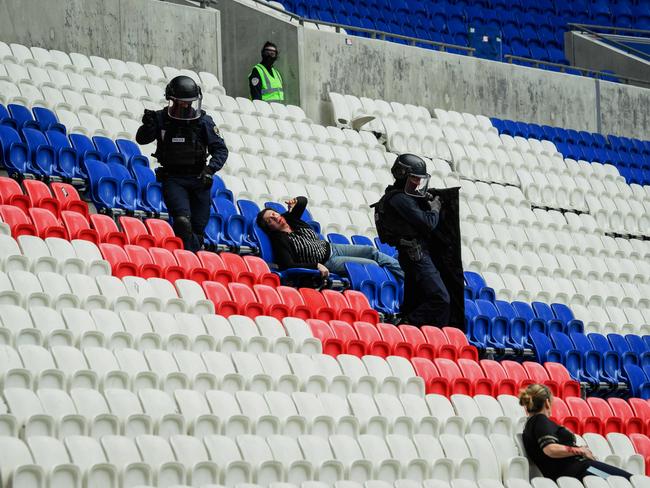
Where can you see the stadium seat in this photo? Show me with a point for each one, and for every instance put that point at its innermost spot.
(107, 230)
(163, 234)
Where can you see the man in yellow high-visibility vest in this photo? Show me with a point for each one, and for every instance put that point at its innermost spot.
(265, 82)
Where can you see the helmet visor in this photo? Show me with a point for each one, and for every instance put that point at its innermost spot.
(184, 108)
(416, 185)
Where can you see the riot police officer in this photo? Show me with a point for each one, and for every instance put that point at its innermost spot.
(184, 136)
(406, 216)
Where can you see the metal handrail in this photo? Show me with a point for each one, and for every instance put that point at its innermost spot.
(563, 67)
(589, 29)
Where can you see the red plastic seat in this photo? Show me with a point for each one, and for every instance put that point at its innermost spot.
(69, 199)
(517, 373)
(481, 385)
(261, 271)
(369, 334)
(12, 194)
(642, 446)
(244, 296)
(631, 422)
(393, 336)
(293, 299)
(107, 230)
(352, 344)
(236, 264)
(337, 301)
(17, 220)
(46, 224)
(321, 330)
(168, 264)
(215, 265)
(560, 414)
(136, 232)
(414, 336)
(220, 296)
(317, 304)
(359, 302)
(164, 235)
(603, 411)
(121, 265)
(139, 256)
(40, 196)
(78, 226)
(558, 373)
(502, 384)
(437, 338)
(458, 338)
(538, 374)
(272, 302)
(434, 382)
(192, 266)
(450, 371)
(641, 409)
(588, 421)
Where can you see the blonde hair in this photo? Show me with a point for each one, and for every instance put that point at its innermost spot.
(534, 397)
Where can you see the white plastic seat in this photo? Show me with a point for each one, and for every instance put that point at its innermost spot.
(467, 466)
(282, 406)
(319, 421)
(191, 452)
(87, 453)
(163, 363)
(254, 407)
(374, 449)
(196, 411)
(123, 453)
(157, 453)
(623, 448)
(126, 406)
(225, 453)
(512, 464)
(50, 454)
(18, 465)
(347, 451)
(287, 451)
(255, 451)
(277, 367)
(318, 452)
(164, 412)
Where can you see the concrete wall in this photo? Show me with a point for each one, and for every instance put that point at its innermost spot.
(147, 31)
(245, 30)
(585, 52)
(394, 72)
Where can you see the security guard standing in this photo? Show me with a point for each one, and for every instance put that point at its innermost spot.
(265, 82)
(406, 216)
(184, 136)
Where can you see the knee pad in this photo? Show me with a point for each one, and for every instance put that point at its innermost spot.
(182, 226)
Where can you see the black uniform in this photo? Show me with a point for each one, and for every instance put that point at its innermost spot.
(182, 149)
(426, 299)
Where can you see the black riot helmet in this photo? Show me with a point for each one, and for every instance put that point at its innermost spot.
(410, 171)
(184, 97)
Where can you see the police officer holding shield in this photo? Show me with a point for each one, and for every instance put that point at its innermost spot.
(185, 136)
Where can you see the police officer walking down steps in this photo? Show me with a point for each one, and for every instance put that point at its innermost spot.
(406, 216)
(265, 82)
(184, 137)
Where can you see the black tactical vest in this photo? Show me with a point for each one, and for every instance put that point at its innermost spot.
(180, 146)
(391, 227)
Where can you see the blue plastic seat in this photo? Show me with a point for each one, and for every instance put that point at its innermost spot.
(104, 190)
(622, 347)
(499, 326)
(131, 152)
(335, 238)
(66, 156)
(592, 362)
(478, 287)
(518, 326)
(6, 118)
(611, 359)
(525, 311)
(385, 248)
(639, 347)
(361, 281)
(361, 240)
(151, 195)
(387, 289)
(234, 225)
(23, 116)
(108, 150)
(544, 312)
(14, 153)
(544, 350)
(129, 190)
(41, 154)
(571, 357)
(219, 189)
(563, 312)
(638, 381)
(47, 120)
(85, 148)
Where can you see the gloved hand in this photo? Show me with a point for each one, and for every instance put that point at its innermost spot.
(206, 177)
(435, 204)
(149, 118)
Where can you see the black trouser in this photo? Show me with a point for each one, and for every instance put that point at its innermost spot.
(186, 196)
(426, 299)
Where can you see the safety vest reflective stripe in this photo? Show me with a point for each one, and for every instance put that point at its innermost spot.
(271, 83)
